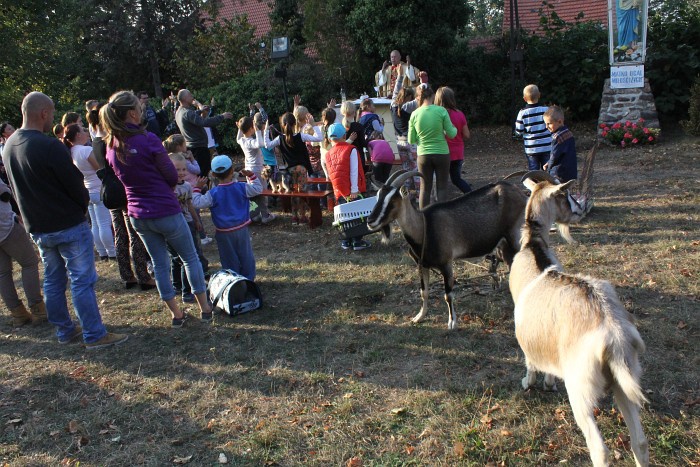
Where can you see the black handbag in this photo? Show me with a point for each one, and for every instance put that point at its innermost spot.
(112, 193)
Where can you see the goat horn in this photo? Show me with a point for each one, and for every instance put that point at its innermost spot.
(398, 181)
(519, 173)
(540, 176)
(394, 175)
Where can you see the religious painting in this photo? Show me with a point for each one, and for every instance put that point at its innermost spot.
(627, 21)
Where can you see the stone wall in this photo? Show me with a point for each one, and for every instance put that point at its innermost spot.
(620, 105)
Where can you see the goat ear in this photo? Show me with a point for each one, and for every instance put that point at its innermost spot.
(530, 184)
(565, 186)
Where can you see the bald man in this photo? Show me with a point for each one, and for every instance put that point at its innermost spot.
(53, 201)
(395, 69)
(192, 124)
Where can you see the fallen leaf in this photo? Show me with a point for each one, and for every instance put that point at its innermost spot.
(686, 272)
(682, 325)
(410, 449)
(347, 395)
(83, 441)
(116, 439)
(182, 460)
(354, 462)
(54, 433)
(399, 411)
(222, 458)
(458, 449)
(73, 426)
(506, 433)
(14, 421)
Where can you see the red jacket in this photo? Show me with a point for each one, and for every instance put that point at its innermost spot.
(338, 164)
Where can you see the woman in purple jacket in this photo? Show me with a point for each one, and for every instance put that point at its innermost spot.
(143, 166)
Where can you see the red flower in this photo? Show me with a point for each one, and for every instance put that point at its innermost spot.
(635, 141)
(651, 138)
(617, 126)
(628, 135)
(641, 120)
(628, 124)
(605, 133)
(634, 126)
(602, 125)
(646, 131)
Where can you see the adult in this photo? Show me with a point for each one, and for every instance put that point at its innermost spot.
(140, 161)
(53, 202)
(155, 121)
(393, 70)
(192, 126)
(6, 131)
(427, 128)
(75, 137)
(127, 243)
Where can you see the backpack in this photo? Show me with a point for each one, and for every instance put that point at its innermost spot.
(232, 293)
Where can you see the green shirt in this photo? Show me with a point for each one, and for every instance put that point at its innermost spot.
(427, 128)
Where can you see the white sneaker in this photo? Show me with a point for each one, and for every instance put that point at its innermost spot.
(268, 219)
(206, 240)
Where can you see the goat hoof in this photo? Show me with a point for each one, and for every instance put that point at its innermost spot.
(525, 382)
(452, 326)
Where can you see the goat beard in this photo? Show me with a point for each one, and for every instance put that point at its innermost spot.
(386, 234)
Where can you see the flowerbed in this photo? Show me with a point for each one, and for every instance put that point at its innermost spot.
(629, 133)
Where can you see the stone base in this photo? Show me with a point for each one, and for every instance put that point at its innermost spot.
(621, 105)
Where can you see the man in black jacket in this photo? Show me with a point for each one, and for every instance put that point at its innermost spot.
(53, 200)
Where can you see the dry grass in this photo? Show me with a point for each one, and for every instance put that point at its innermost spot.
(331, 369)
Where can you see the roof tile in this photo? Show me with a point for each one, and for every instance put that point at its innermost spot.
(529, 12)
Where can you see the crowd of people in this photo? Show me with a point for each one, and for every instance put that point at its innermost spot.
(143, 195)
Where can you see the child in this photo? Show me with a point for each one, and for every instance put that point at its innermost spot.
(347, 110)
(305, 124)
(445, 97)
(531, 127)
(295, 154)
(562, 162)
(250, 139)
(176, 144)
(345, 171)
(183, 190)
(382, 159)
(229, 205)
(369, 120)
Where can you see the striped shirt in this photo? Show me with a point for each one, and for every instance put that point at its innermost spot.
(530, 124)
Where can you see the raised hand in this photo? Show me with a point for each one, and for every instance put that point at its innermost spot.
(201, 182)
(297, 100)
(331, 103)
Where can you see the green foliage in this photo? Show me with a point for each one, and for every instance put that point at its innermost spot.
(569, 63)
(485, 18)
(216, 53)
(692, 125)
(673, 58)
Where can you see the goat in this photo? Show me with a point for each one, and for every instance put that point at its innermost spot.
(469, 226)
(574, 327)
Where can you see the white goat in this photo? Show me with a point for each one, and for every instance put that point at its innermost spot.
(574, 327)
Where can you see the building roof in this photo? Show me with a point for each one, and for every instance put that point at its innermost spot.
(529, 12)
(257, 11)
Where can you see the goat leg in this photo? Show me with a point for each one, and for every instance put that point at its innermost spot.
(449, 280)
(424, 283)
(530, 376)
(550, 382)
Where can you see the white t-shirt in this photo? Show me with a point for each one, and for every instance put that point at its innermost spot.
(80, 156)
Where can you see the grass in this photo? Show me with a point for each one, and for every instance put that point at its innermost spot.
(331, 372)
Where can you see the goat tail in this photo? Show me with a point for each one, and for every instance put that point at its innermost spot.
(623, 361)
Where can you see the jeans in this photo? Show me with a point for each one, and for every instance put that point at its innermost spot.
(179, 277)
(236, 252)
(101, 226)
(456, 176)
(156, 235)
(536, 161)
(68, 254)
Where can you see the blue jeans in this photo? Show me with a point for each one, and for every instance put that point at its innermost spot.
(236, 252)
(68, 254)
(456, 176)
(157, 234)
(536, 161)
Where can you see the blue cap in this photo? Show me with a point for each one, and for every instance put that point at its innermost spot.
(221, 164)
(336, 131)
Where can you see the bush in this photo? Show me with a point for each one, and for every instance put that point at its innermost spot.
(692, 125)
(629, 133)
